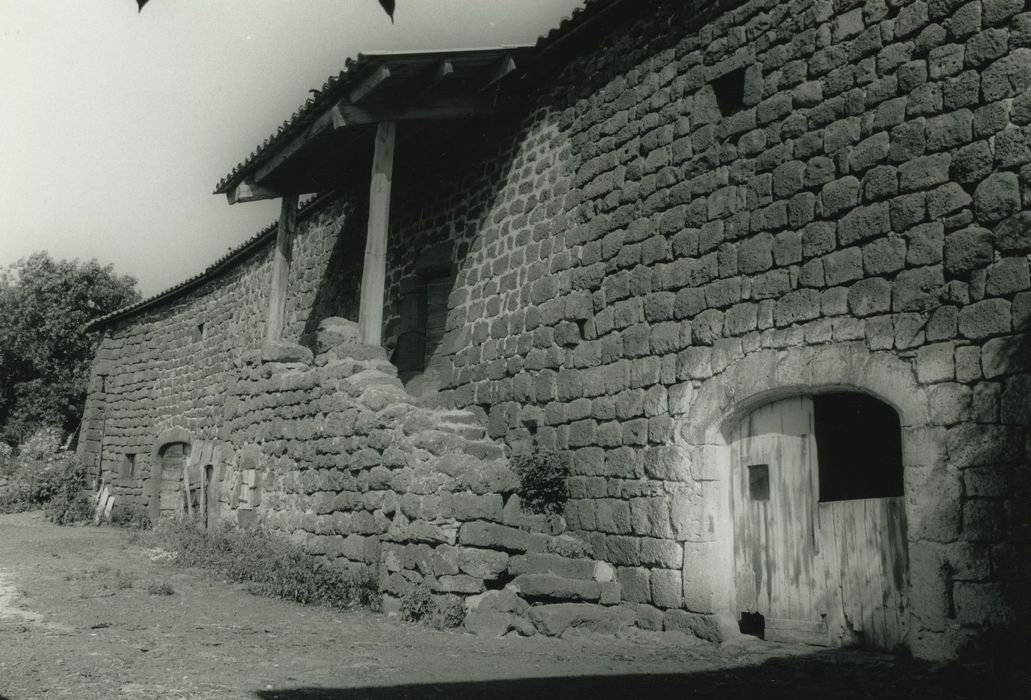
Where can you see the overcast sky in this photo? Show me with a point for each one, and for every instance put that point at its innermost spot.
(115, 127)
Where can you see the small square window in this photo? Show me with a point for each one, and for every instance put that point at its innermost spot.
(759, 482)
(730, 91)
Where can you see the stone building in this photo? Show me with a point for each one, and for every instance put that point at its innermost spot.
(757, 270)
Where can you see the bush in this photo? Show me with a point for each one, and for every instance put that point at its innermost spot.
(266, 563)
(416, 603)
(419, 605)
(131, 516)
(44, 477)
(542, 482)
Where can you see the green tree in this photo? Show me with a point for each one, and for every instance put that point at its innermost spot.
(44, 354)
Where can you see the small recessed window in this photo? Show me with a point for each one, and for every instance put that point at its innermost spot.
(128, 467)
(859, 447)
(730, 91)
(759, 482)
(198, 333)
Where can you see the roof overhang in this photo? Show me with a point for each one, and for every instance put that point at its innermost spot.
(305, 155)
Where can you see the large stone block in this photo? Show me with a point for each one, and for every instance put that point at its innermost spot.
(554, 620)
(491, 535)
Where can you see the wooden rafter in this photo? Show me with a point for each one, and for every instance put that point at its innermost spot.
(249, 191)
(368, 84)
(440, 72)
(445, 108)
(497, 71)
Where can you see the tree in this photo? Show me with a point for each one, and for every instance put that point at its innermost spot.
(44, 354)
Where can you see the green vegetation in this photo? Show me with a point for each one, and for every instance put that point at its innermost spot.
(40, 475)
(542, 481)
(267, 564)
(419, 604)
(45, 355)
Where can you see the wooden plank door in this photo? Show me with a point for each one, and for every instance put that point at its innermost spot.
(173, 461)
(867, 571)
(778, 572)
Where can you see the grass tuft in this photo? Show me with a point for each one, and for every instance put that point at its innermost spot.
(267, 564)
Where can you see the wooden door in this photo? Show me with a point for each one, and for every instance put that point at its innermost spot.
(776, 556)
(173, 462)
(832, 572)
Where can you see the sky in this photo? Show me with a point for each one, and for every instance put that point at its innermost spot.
(115, 126)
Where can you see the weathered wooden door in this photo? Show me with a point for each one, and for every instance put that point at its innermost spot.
(778, 574)
(173, 461)
(817, 572)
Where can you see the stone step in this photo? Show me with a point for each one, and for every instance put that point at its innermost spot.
(549, 587)
(469, 432)
(554, 620)
(566, 567)
(484, 449)
(457, 416)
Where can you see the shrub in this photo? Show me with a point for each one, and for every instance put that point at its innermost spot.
(416, 603)
(419, 605)
(448, 613)
(267, 564)
(542, 481)
(160, 588)
(131, 516)
(44, 477)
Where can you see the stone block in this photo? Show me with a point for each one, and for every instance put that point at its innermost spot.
(555, 620)
(985, 318)
(635, 584)
(703, 626)
(666, 588)
(917, 289)
(549, 587)
(482, 563)
(491, 535)
(553, 564)
(997, 197)
(936, 363)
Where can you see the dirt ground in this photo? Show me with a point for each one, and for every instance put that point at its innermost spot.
(83, 615)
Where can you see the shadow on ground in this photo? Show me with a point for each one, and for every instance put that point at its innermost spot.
(826, 674)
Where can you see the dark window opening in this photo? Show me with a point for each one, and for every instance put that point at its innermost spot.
(752, 624)
(128, 469)
(859, 447)
(198, 333)
(759, 482)
(730, 91)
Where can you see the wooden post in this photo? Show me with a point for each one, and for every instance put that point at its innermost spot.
(370, 314)
(281, 269)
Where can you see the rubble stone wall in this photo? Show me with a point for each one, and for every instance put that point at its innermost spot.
(637, 262)
(170, 366)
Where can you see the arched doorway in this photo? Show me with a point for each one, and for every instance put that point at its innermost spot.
(173, 458)
(819, 528)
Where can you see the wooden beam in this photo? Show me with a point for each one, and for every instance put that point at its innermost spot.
(498, 71)
(445, 108)
(368, 84)
(441, 72)
(281, 269)
(374, 273)
(323, 123)
(249, 191)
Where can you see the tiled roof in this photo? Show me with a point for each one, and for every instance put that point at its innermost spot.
(335, 87)
(330, 93)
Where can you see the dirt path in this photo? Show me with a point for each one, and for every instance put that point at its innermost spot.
(77, 621)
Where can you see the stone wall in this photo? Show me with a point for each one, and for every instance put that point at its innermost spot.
(639, 262)
(170, 366)
(635, 266)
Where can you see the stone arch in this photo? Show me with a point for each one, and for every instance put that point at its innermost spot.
(760, 378)
(167, 437)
